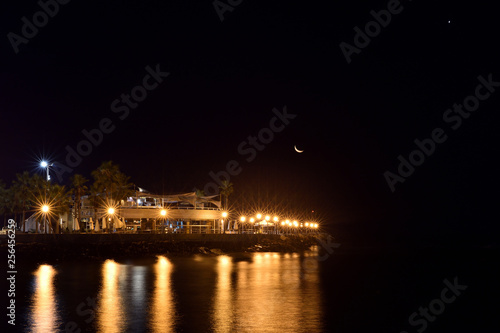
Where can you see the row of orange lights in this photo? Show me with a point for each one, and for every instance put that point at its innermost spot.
(267, 218)
(45, 209)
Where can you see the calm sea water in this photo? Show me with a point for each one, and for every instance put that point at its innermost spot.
(350, 291)
(258, 292)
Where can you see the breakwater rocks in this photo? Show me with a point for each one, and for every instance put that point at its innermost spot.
(40, 247)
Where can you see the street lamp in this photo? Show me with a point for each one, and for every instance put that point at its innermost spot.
(46, 165)
(266, 223)
(259, 216)
(163, 214)
(111, 211)
(288, 225)
(243, 219)
(224, 215)
(45, 210)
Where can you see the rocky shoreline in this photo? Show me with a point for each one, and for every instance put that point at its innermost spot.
(53, 248)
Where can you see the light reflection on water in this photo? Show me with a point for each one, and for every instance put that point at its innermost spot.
(275, 294)
(163, 308)
(44, 314)
(259, 292)
(223, 313)
(110, 312)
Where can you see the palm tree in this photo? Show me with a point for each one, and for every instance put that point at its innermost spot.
(59, 199)
(22, 185)
(199, 193)
(54, 195)
(37, 192)
(110, 182)
(95, 199)
(78, 189)
(4, 201)
(226, 189)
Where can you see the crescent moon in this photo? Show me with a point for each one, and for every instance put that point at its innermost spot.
(298, 151)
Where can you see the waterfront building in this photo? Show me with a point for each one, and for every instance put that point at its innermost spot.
(147, 212)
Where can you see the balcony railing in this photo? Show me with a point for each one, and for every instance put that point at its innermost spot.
(90, 208)
(170, 208)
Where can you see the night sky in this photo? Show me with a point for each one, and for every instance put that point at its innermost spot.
(225, 78)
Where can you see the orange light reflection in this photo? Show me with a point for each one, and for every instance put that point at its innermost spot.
(110, 316)
(44, 309)
(223, 313)
(163, 307)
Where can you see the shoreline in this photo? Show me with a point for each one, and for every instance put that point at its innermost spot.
(91, 247)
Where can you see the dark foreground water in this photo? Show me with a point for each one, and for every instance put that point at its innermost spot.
(369, 290)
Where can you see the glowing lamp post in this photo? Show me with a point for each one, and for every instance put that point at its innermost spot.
(259, 218)
(163, 214)
(45, 210)
(111, 212)
(224, 215)
(242, 219)
(46, 165)
(276, 220)
(266, 223)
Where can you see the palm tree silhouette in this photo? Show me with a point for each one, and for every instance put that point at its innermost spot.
(78, 189)
(226, 189)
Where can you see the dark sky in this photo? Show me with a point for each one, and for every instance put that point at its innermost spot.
(353, 119)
